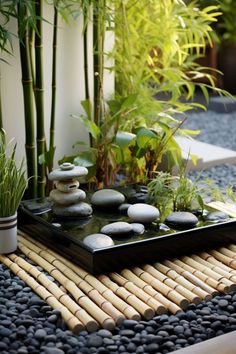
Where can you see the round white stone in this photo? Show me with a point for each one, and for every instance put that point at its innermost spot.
(117, 228)
(107, 198)
(143, 213)
(98, 241)
(63, 175)
(72, 197)
(67, 186)
(138, 228)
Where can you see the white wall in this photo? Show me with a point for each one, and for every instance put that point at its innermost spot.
(70, 86)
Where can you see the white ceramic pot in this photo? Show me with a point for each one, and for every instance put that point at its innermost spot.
(8, 234)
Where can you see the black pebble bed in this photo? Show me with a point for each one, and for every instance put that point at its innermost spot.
(29, 325)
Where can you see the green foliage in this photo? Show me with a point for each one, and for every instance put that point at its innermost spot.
(12, 180)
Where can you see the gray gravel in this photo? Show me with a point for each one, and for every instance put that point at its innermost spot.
(29, 325)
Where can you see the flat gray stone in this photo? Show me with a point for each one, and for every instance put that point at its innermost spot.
(138, 228)
(123, 208)
(217, 216)
(181, 220)
(63, 175)
(81, 209)
(117, 228)
(67, 186)
(143, 213)
(98, 241)
(72, 197)
(107, 198)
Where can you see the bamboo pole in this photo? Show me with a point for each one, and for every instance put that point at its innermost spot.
(209, 272)
(169, 305)
(172, 284)
(191, 278)
(217, 269)
(227, 252)
(162, 288)
(72, 322)
(221, 287)
(126, 309)
(130, 286)
(90, 324)
(227, 208)
(146, 311)
(105, 320)
(214, 261)
(224, 259)
(184, 282)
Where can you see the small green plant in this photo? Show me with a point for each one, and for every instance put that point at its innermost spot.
(12, 179)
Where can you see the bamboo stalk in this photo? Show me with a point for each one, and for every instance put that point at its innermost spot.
(90, 324)
(105, 320)
(209, 272)
(217, 269)
(192, 278)
(227, 208)
(172, 284)
(232, 248)
(146, 311)
(182, 281)
(27, 84)
(72, 322)
(1, 116)
(162, 288)
(122, 306)
(130, 286)
(227, 252)
(224, 259)
(172, 307)
(214, 261)
(208, 280)
(39, 98)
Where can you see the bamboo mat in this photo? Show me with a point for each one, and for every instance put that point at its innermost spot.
(89, 302)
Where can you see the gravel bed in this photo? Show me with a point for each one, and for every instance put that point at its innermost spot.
(29, 325)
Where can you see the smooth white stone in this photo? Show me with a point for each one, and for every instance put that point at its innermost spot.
(117, 228)
(98, 241)
(60, 175)
(72, 197)
(67, 186)
(143, 213)
(138, 228)
(107, 198)
(81, 209)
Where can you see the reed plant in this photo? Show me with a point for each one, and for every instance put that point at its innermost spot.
(12, 179)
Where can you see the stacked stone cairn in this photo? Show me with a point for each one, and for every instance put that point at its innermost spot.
(67, 198)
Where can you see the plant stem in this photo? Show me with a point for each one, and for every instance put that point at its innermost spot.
(85, 38)
(39, 98)
(28, 105)
(1, 118)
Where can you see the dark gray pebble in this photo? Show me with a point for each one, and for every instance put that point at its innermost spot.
(94, 341)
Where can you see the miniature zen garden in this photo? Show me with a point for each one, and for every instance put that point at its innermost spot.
(116, 246)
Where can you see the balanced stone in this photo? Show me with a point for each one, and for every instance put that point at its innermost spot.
(138, 228)
(105, 198)
(67, 198)
(117, 228)
(181, 220)
(67, 186)
(143, 213)
(98, 241)
(81, 210)
(61, 174)
(217, 216)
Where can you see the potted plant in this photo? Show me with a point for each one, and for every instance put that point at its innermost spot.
(12, 186)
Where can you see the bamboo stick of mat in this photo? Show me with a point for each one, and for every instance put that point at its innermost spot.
(209, 272)
(221, 287)
(146, 311)
(232, 248)
(72, 322)
(209, 258)
(228, 208)
(172, 284)
(162, 288)
(105, 320)
(90, 324)
(128, 311)
(191, 278)
(171, 306)
(92, 293)
(224, 259)
(227, 252)
(217, 269)
(202, 295)
(130, 286)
